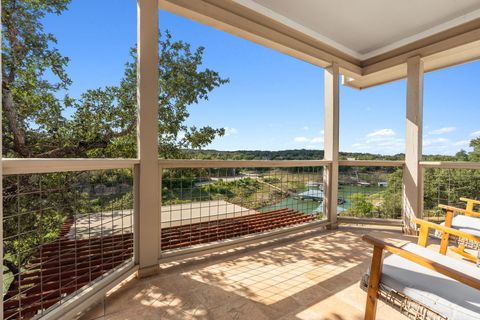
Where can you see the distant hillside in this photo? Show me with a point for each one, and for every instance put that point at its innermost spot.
(298, 154)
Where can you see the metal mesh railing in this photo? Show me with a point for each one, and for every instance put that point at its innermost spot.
(61, 231)
(370, 192)
(447, 186)
(211, 204)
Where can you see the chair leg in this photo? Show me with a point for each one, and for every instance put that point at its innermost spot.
(461, 251)
(374, 283)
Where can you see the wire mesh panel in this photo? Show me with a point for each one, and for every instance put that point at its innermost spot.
(447, 186)
(370, 192)
(209, 204)
(61, 232)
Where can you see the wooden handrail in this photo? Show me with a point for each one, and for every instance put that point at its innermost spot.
(191, 163)
(459, 210)
(427, 263)
(450, 164)
(371, 163)
(33, 165)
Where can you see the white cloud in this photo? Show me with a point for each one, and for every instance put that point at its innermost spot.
(432, 141)
(475, 134)
(359, 145)
(381, 133)
(301, 139)
(230, 131)
(306, 128)
(462, 143)
(386, 141)
(313, 142)
(444, 130)
(444, 146)
(383, 141)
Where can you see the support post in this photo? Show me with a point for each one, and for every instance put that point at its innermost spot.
(1, 208)
(147, 138)
(413, 173)
(331, 142)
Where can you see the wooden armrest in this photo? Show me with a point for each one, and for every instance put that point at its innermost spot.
(470, 200)
(455, 232)
(459, 210)
(427, 263)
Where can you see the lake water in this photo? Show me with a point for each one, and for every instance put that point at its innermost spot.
(310, 206)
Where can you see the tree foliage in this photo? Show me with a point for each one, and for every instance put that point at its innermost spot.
(103, 123)
(31, 109)
(360, 206)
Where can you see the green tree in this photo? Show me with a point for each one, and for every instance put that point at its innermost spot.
(104, 120)
(31, 109)
(360, 207)
(461, 155)
(474, 155)
(392, 196)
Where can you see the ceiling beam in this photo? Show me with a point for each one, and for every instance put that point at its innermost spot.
(424, 51)
(432, 62)
(411, 49)
(457, 45)
(238, 20)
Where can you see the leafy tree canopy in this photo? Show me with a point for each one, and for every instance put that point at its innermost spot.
(475, 154)
(104, 120)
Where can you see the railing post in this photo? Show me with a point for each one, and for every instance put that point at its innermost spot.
(136, 210)
(147, 96)
(1, 213)
(413, 173)
(331, 143)
(160, 180)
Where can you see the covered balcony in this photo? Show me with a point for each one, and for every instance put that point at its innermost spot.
(242, 239)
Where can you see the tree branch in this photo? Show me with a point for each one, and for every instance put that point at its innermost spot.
(13, 122)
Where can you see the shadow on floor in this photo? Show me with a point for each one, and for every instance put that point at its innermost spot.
(315, 277)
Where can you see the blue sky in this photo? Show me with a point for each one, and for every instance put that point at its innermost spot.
(273, 101)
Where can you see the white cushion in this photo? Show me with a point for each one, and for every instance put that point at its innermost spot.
(466, 224)
(439, 293)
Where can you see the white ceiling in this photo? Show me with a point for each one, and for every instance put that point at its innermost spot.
(365, 28)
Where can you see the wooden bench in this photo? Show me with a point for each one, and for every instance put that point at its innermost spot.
(465, 220)
(439, 286)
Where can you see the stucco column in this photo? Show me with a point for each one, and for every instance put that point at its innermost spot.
(412, 173)
(148, 193)
(331, 141)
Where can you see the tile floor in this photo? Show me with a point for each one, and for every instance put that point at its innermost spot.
(314, 277)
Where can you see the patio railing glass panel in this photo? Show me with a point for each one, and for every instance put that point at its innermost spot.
(62, 231)
(204, 205)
